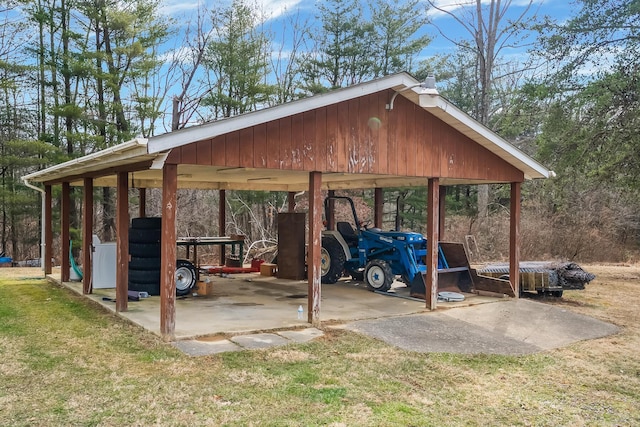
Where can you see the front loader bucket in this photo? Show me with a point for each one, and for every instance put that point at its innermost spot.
(418, 287)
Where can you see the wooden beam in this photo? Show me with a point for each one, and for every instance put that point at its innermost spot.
(48, 229)
(122, 242)
(222, 222)
(291, 201)
(87, 236)
(378, 205)
(442, 207)
(142, 204)
(168, 253)
(315, 238)
(433, 209)
(514, 237)
(65, 214)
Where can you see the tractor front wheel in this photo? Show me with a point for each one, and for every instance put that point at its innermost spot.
(378, 275)
(332, 258)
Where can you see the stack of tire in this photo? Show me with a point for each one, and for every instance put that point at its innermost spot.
(144, 259)
(144, 252)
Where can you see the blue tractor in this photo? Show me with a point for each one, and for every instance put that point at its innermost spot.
(373, 255)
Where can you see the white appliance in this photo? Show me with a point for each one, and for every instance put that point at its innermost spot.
(104, 264)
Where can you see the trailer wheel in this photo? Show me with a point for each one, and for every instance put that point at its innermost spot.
(332, 257)
(557, 294)
(378, 275)
(186, 277)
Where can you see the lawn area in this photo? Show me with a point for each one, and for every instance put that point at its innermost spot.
(65, 361)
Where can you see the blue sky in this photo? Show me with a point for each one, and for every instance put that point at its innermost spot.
(278, 9)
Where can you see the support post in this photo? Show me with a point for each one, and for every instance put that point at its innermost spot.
(291, 201)
(48, 229)
(168, 252)
(65, 214)
(378, 205)
(87, 236)
(142, 206)
(442, 207)
(315, 238)
(122, 242)
(433, 209)
(514, 237)
(222, 222)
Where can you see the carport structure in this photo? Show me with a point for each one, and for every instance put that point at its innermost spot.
(389, 132)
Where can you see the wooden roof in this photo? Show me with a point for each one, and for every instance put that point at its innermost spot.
(350, 135)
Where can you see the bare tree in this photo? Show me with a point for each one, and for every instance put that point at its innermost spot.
(492, 32)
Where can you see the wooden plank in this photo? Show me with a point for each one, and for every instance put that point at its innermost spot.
(297, 142)
(320, 147)
(402, 110)
(356, 145)
(342, 137)
(392, 142)
(431, 281)
(285, 143)
(260, 146)
(381, 165)
(246, 147)
(273, 144)
(65, 214)
(87, 235)
(332, 138)
(309, 143)
(189, 154)
(514, 237)
(426, 140)
(411, 148)
(218, 151)
(168, 252)
(122, 242)
(203, 152)
(232, 149)
(47, 251)
(315, 236)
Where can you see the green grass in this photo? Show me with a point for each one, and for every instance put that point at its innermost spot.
(64, 361)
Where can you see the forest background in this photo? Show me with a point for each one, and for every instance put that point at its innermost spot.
(77, 76)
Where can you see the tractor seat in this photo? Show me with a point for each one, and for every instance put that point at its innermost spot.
(347, 231)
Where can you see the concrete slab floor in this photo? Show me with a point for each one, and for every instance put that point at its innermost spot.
(247, 303)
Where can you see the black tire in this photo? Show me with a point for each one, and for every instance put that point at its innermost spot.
(144, 236)
(378, 275)
(144, 263)
(144, 250)
(333, 258)
(147, 223)
(557, 294)
(150, 288)
(186, 277)
(357, 275)
(144, 276)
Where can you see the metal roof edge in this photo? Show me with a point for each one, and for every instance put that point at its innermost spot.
(192, 134)
(134, 144)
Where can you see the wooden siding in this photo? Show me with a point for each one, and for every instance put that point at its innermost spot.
(355, 136)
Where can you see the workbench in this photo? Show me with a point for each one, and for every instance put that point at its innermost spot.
(236, 243)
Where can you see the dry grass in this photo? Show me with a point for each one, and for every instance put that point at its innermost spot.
(64, 362)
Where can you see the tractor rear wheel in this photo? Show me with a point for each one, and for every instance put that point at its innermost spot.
(333, 258)
(378, 275)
